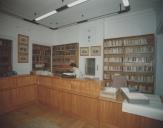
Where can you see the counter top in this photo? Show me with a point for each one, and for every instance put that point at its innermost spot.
(152, 110)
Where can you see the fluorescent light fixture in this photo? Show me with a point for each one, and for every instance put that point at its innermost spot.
(46, 15)
(126, 3)
(76, 3)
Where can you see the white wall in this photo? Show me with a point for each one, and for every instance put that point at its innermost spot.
(159, 65)
(67, 35)
(159, 18)
(91, 34)
(137, 23)
(159, 62)
(11, 27)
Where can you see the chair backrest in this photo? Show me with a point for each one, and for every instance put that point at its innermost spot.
(119, 81)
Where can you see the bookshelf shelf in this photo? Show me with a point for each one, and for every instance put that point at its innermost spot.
(41, 59)
(63, 55)
(5, 55)
(132, 57)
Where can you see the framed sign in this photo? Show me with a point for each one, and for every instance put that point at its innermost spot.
(84, 51)
(23, 47)
(95, 50)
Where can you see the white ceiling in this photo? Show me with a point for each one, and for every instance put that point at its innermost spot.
(30, 9)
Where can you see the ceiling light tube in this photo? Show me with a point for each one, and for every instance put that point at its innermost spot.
(76, 3)
(125, 3)
(46, 15)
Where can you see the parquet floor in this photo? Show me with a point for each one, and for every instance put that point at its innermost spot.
(39, 116)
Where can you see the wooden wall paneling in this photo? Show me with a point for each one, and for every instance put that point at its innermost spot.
(135, 121)
(25, 80)
(85, 87)
(130, 120)
(8, 100)
(46, 81)
(65, 102)
(47, 96)
(44, 95)
(31, 93)
(95, 88)
(64, 84)
(13, 99)
(71, 96)
(5, 101)
(54, 98)
(56, 82)
(150, 123)
(22, 95)
(34, 79)
(16, 91)
(39, 93)
(8, 82)
(85, 107)
(1, 103)
(110, 114)
(8, 94)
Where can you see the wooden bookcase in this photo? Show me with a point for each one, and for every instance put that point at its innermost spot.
(5, 55)
(132, 57)
(41, 59)
(63, 55)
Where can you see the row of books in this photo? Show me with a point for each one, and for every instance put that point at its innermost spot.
(62, 60)
(132, 42)
(4, 53)
(135, 78)
(113, 59)
(59, 48)
(41, 48)
(118, 50)
(139, 59)
(144, 68)
(113, 68)
(138, 68)
(140, 78)
(40, 58)
(71, 47)
(125, 42)
(113, 43)
(142, 49)
(4, 43)
(130, 60)
(41, 52)
(64, 53)
(59, 53)
(65, 47)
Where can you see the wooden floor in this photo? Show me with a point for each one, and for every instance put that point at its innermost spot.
(38, 116)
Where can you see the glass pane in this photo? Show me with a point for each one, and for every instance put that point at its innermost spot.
(90, 66)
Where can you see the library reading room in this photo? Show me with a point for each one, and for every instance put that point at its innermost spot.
(81, 64)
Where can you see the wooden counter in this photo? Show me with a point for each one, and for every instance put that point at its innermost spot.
(16, 91)
(72, 96)
(111, 116)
